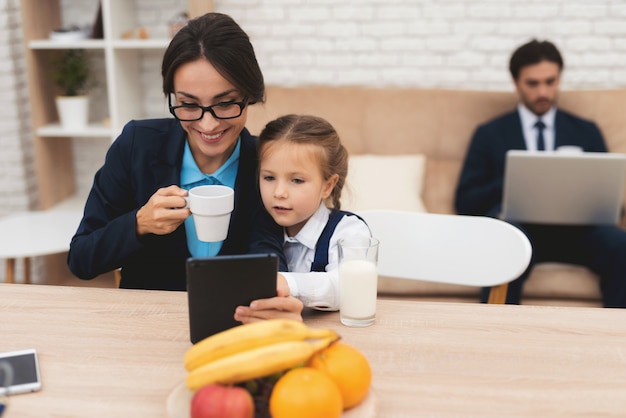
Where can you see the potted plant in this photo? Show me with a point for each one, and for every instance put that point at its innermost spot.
(71, 74)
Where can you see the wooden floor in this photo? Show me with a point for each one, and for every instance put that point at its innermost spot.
(105, 280)
(56, 272)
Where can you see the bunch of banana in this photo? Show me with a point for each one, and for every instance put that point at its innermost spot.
(249, 336)
(253, 350)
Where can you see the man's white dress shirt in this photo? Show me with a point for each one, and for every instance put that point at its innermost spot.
(529, 119)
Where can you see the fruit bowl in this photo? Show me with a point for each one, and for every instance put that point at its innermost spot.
(297, 369)
(179, 403)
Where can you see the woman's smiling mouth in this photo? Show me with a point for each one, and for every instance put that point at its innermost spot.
(211, 137)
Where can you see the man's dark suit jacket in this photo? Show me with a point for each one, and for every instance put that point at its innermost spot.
(145, 157)
(479, 191)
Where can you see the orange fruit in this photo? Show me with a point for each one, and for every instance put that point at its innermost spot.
(348, 368)
(305, 393)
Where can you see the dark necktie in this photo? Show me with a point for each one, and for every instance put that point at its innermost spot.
(541, 144)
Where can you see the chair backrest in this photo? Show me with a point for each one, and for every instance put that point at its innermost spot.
(457, 249)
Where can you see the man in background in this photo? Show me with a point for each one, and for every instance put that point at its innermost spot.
(537, 124)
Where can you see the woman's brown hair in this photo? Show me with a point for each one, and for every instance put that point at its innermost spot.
(217, 38)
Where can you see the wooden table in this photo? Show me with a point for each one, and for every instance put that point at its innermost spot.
(118, 353)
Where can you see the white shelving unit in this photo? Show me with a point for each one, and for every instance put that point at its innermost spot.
(122, 62)
(93, 130)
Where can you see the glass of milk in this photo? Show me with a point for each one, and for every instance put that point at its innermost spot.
(358, 281)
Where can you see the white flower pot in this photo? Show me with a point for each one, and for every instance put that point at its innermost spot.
(73, 111)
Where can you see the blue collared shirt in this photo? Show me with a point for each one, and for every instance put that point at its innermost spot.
(191, 176)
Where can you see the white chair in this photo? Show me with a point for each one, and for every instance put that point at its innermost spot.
(35, 233)
(455, 249)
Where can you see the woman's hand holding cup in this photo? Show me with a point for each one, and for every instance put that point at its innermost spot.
(164, 212)
(210, 205)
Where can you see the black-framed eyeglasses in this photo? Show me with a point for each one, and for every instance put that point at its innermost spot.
(223, 110)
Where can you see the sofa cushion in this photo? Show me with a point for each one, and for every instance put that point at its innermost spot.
(384, 182)
(551, 281)
(564, 281)
(392, 286)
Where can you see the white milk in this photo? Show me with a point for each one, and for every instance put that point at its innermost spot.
(358, 281)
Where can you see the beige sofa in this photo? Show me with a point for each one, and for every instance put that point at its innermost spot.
(439, 124)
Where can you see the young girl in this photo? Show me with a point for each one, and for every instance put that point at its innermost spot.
(303, 168)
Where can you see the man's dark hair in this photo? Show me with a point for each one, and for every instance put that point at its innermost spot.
(534, 52)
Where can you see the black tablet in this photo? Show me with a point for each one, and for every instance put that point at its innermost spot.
(217, 285)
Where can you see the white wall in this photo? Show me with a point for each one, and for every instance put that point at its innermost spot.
(17, 165)
(16, 145)
(462, 44)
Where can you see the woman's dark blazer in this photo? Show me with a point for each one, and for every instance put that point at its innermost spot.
(145, 157)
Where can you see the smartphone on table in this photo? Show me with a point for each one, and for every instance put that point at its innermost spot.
(19, 372)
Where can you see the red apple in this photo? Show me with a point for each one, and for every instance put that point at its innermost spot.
(217, 401)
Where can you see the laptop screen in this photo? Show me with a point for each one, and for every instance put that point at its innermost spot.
(573, 188)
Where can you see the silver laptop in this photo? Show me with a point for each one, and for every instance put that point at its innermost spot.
(573, 188)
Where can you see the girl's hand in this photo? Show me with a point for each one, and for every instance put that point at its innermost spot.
(281, 306)
(164, 212)
(282, 288)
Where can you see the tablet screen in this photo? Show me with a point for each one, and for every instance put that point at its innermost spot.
(217, 285)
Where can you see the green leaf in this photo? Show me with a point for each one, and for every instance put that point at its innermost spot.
(71, 72)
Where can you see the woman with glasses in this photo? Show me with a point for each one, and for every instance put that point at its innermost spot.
(135, 216)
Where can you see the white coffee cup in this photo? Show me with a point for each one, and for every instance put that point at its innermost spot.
(211, 207)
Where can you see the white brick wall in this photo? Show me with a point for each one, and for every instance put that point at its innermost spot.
(16, 157)
(17, 173)
(462, 44)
